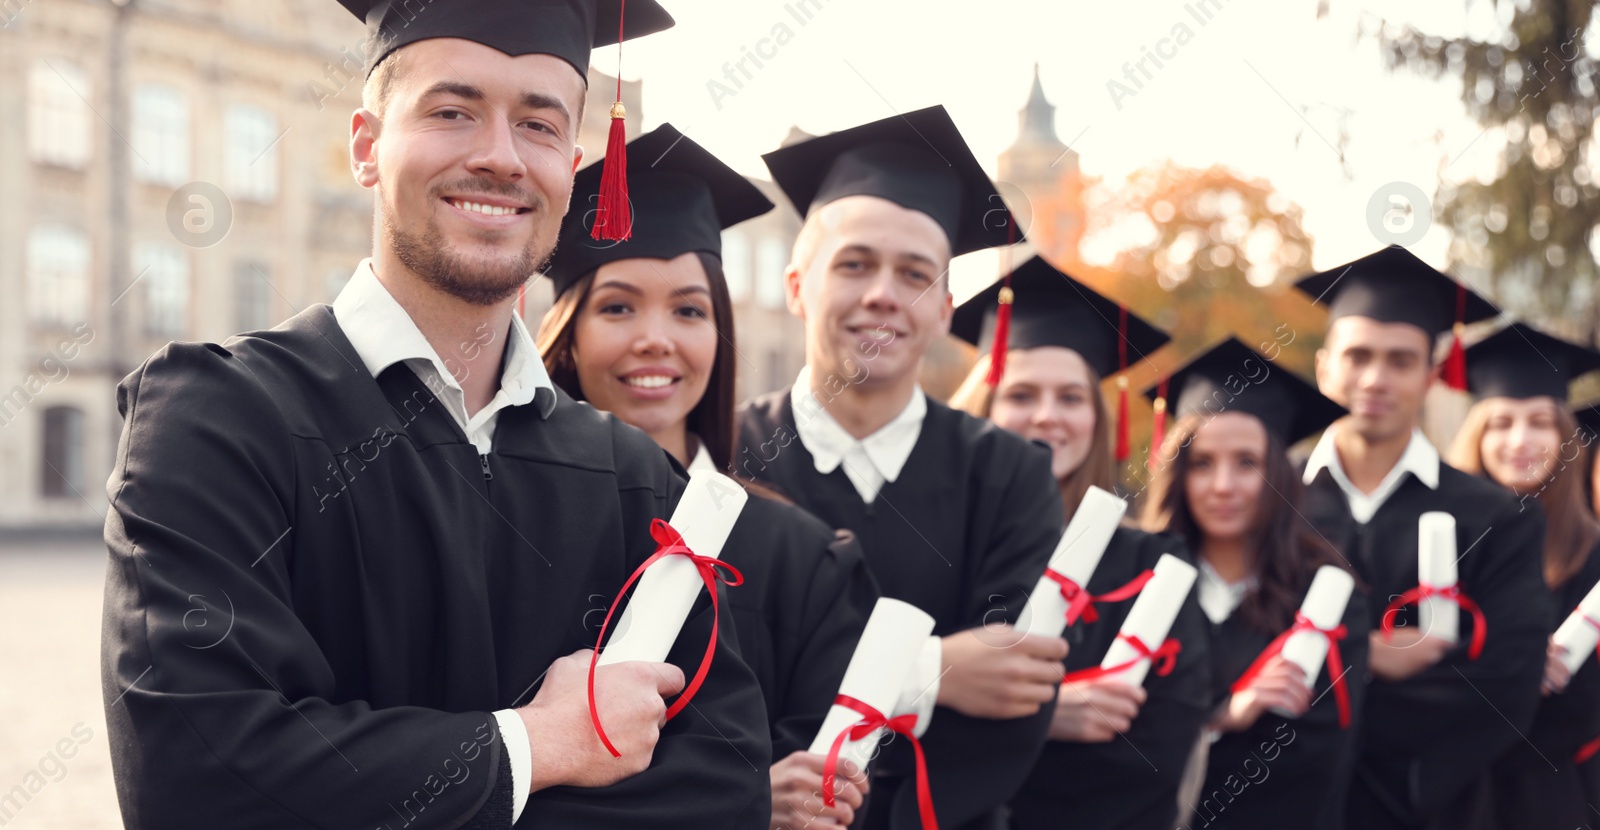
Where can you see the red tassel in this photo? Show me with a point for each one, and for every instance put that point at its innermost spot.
(1123, 450)
(1002, 332)
(613, 220)
(1455, 364)
(1158, 425)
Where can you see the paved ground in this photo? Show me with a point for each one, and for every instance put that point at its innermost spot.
(50, 687)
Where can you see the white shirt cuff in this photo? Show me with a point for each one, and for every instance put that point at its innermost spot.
(514, 736)
(921, 691)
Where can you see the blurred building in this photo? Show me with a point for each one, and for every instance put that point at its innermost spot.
(178, 170)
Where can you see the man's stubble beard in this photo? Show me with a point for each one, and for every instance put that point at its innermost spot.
(478, 281)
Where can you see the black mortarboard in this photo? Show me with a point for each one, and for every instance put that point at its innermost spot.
(1393, 286)
(568, 29)
(918, 161)
(1050, 308)
(683, 194)
(1232, 377)
(1520, 361)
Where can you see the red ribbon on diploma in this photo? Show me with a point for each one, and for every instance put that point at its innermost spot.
(1586, 751)
(871, 721)
(1165, 659)
(1596, 625)
(1480, 626)
(668, 543)
(1334, 663)
(1080, 603)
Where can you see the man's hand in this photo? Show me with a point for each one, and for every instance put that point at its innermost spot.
(628, 696)
(1095, 711)
(1404, 654)
(797, 793)
(1280, 685)
(998, 673)
(1556, 676)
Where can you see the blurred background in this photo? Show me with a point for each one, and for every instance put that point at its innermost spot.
(178, 170)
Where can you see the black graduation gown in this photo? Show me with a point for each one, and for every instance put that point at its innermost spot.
(963, 534)
(1130, 783)
(1307, 760)
(806, 597)
(1423, 741)
(317, 595)
(1535, 785)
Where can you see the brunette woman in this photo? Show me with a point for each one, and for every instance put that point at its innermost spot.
(1228, 488)
(643, 329)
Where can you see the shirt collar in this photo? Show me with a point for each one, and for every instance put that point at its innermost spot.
(1421, 459)
(828, 442)
(383, 334)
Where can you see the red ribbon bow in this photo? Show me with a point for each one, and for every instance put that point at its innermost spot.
(668, 543)
(1080, 603)
(1334, 663)
(1480, 626)
(1164, 658)
(871, 721)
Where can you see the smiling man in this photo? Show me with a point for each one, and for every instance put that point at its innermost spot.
(356, 559)
(956, 515)
(1436, 716)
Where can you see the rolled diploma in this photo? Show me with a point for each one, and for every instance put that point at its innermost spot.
(1324, 605)
(1436, 566)
(884, 656)
(1576, 634)
(668, 589)
(1076, 557)
(1151, 616)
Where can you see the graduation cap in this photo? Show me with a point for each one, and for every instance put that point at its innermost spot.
(685, 194)
(1232, 377)
(917, 160)
(1036, 305)
(567, 29)
(1394, 286)
(1520, 361)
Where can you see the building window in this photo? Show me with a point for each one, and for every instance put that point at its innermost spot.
(160, 135)
(736, 265)
(772, 259)
(252, 151)
(58, 274)
(61, 474)
(252, 297)
(163, 269)
(58, 114)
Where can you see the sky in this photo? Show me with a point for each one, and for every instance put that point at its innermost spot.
(1261, 86)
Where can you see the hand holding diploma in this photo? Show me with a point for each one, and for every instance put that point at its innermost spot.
(1576, 639)
(670, 582)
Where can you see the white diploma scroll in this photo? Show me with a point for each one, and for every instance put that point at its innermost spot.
(1151, 616)
(1578, 635)
(1324, 605)
(1076, 557)
(668, 589)
(1436, 566)
(883, 659)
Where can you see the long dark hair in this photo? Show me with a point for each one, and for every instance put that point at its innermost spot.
(712, 419)
(1288, 550)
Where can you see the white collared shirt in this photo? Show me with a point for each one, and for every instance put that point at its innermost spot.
(869, 462)
(1420, 459)
(383, 334)
(1219, 598)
